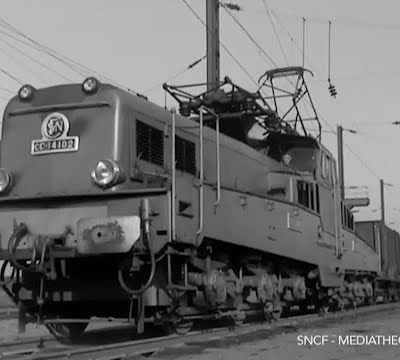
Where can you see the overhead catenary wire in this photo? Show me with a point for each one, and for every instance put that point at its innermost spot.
(275, 31)
(67, 61)
(45, 66)
(251, 37)
(254, 41)
(11, 76)
(346, 22)
(181, 72)
(221, 43)
(79, 67)
(295, 42)
(351, 150)
(35, 47)
(4, 98)
(14, 59)
(323, 119)
(6, 90)
(50, 52)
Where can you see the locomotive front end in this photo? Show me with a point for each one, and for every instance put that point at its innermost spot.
(71, 219)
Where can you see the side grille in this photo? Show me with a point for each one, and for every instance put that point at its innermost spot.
(185, 155)
(149, 143)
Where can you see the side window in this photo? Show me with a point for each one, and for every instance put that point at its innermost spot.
(327, 168)
(347, 217)
(308, 195)
(333, 171)
(301, 193)
(312, 196)
(323, 166)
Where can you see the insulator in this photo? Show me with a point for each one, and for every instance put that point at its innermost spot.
(332, 90)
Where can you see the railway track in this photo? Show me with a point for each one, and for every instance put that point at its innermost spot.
(49, 348)
(8, 313)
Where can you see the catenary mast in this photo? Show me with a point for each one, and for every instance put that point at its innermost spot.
(213, 61)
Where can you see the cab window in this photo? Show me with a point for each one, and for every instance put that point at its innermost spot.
(327, 169)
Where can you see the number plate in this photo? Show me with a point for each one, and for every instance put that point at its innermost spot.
(68, 144)
(55, 137)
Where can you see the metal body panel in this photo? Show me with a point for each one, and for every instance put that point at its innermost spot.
(245, 215)
(358, 255)
(386, 242)
(56, 215)
(46, 221)
(107, 235)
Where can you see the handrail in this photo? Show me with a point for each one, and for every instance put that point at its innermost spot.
(201, 175)
(202, 110)
(173, 176)
(218, 162)
(338, 233)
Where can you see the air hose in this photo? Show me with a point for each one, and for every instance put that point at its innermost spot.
(20, 231)
(3, 280)
(147, 240)
(135, 292)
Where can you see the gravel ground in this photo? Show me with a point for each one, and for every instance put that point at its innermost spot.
(9, 330)
(5, 300)
(290, 344)
(285, 343)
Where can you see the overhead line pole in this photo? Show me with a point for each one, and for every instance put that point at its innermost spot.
(382, 225)
(339, 132)
(382, 185)
(213, 56)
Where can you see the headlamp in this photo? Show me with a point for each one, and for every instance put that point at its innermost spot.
(5, 180)
(90, 85)
(26, 93)
(106, 173)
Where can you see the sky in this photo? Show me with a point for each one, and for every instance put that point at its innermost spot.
(143, 43)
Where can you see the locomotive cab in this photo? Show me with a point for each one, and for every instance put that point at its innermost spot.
(299, 153)
(72, 212)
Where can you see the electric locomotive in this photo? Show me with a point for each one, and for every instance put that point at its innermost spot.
(112, 206)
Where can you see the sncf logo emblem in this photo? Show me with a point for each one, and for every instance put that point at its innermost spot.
(55, 125)
(55, 138)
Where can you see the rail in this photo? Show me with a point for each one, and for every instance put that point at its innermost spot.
(46, 348)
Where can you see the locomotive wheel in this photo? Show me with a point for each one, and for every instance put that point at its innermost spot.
(277, 312)
(303, 308)
(67, 331)
(238, 318)
(272, 312)
(182, 326)
(370, 300)
(323, 309)
(340, 305)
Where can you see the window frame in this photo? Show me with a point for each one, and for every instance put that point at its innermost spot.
(307, 195)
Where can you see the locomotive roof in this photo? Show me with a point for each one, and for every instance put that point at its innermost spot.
(140, 103)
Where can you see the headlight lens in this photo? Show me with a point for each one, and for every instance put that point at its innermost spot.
(26, 92)
(5, 180)
(90, 85)
(106, 173)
